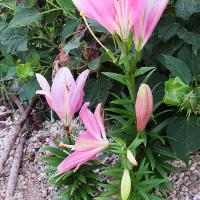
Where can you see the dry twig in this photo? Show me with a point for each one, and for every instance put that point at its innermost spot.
(15, 168)
(9, 141)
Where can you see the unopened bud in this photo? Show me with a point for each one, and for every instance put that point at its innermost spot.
(143, 106)
(131, 158)
(125, 185)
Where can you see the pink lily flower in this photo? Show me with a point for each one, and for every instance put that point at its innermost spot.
(89, 143)
(65, 96)
(149, 17)
(117, 16)
(143, 107)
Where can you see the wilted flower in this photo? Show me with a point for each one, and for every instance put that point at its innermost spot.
(149, 17)
(89, 143)
(143, 107)
(117, 16)
(65, 96)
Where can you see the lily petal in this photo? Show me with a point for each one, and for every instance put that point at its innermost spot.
(100, 119)
(86, 141)
(77, 98)
(76, 159)
(43, 83)
(90, 121)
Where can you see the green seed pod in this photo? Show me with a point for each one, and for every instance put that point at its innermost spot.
(125, 185)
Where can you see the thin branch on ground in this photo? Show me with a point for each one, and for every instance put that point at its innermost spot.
(10, 141)
(15, 169)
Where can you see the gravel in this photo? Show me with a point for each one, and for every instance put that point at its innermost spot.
(32, 182)
(186, 182)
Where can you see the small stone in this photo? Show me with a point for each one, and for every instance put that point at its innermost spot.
(193, 178)
(192, 168)
(44, 193)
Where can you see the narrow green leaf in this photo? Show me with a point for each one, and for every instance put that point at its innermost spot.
(143, 70)
(117, 77)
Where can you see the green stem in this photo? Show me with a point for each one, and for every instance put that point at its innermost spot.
(130, 75)
(48, 11)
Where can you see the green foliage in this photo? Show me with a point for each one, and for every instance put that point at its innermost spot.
(175, 91)
(185, 9)
(15, 39)
(30, 35)
(81, 184)
(66, 5)
(185, 134)
(97, 90)
(24, 17)
(177, 68)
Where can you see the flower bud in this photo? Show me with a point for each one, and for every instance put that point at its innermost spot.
(175, 91)
(131, 158)
(143, 107)
(125, 185)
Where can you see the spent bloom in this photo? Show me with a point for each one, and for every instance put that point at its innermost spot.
(65, 96)
(89, 143)
(143, 107)
(149, 17)
(117, 16)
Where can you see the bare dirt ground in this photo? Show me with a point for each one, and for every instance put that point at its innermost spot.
(32, 181)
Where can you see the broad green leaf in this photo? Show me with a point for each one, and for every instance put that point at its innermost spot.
(190, 38)
(186, 135)
(192, 60)
(177, 67)
(24, 17)
(97, 90)
(15, 39)
(168, 28)
(97, 27)
(74, 44)
(69, 29)
(6, 63)
(66, 5)
(117, 77)
(11, 73)
(185, 8)
(94, 64)
(29, 89)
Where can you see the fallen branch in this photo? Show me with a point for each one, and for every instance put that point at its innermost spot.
(15, 169)
(18, 104)
(9, 142)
